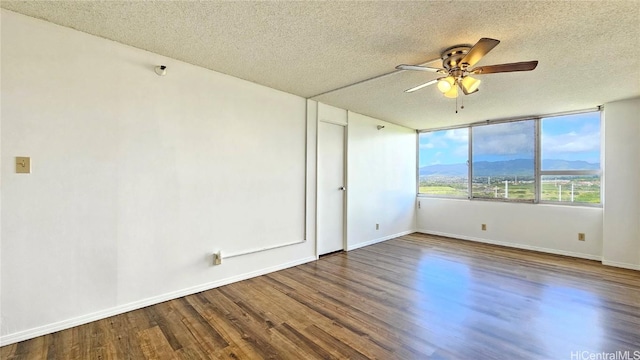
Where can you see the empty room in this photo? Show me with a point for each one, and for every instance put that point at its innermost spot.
(320, 180)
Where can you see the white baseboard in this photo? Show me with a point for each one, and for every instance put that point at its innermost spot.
(375, 241)
(515, 245)
(84, 319)
(621, 264)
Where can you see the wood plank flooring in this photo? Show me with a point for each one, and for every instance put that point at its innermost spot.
(414, 297)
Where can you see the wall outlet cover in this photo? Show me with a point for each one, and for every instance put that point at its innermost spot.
(23, 165)
(217, 258)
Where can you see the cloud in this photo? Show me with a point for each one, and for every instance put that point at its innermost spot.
(458, 135)
(434, 142)
(570, 143)
(570, 135)
(504, 139)
(444, 139)
(461, 151)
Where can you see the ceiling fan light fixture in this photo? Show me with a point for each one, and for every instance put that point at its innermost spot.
(452, 93)
(470, 84)
(445, 84)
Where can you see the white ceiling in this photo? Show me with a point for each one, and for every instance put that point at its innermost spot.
(589, 52)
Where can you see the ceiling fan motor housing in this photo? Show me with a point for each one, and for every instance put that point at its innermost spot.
(452, 57)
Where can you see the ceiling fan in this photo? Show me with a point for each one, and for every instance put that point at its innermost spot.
(457, 62)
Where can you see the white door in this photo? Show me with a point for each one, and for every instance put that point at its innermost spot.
(331, 188)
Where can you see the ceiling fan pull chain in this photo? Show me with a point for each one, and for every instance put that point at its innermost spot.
(456, 104)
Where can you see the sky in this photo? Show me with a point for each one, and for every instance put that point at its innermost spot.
(572, 137)
(569, 137)
(444, 147)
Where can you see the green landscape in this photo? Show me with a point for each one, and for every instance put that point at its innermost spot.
(585, 189)
(513, 179)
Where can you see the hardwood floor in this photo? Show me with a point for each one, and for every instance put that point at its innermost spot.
(414, 297)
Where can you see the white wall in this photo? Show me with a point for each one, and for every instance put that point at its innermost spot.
(381, 181)
(539, 227)
(622, 177)
(137, 179)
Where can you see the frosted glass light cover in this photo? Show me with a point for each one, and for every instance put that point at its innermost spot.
(470, 84)
(452, 93)
(445, 84)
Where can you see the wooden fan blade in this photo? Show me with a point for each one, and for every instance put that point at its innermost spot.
(421, 86)
(480, 49)
(420, 68)
(492, 69)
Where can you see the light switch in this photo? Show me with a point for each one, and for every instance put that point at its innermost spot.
(23, 164)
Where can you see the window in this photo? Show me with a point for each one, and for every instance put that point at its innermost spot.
(570, 158)
(549, 159)
(503, 165)
(443, 163)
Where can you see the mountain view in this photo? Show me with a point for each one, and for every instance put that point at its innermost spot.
(504, 160)
(519, 167)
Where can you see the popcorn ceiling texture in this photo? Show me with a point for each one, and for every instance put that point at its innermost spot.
(588, 51)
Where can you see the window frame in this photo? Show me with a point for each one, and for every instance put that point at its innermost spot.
(535, 165)
(418, 162)
(541, 173)
(538, 172)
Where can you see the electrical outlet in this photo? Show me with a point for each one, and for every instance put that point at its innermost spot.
(377, 226)
(484, 227)
(217, 258)
(581, 236)
(23, 165)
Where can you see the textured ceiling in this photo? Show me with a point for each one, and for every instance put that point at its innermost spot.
(589, 52)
